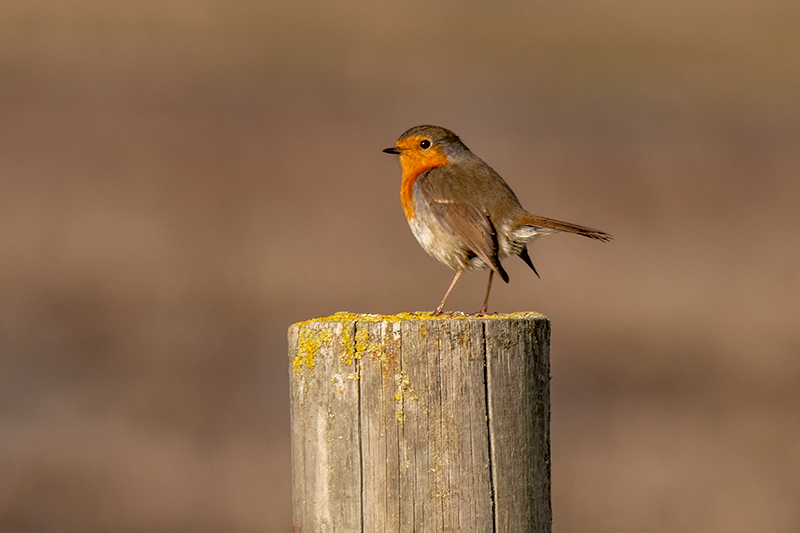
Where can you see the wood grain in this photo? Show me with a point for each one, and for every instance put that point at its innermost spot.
(414, 423)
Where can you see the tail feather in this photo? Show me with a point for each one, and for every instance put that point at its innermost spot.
(549, 223)
(527, 258)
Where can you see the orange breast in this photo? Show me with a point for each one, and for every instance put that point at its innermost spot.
(415, 163)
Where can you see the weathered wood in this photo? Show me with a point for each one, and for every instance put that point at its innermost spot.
(418, 423)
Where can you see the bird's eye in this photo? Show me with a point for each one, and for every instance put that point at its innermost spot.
(425, 144)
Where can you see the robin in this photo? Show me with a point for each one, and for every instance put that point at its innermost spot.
(462, 212)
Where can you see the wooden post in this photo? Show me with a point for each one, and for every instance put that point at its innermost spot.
(415, 423)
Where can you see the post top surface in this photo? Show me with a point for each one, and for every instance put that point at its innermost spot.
(344, 316)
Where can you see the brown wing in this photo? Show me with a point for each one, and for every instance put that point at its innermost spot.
(468, 222)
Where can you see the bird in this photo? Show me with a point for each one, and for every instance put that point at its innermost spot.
(462, 212)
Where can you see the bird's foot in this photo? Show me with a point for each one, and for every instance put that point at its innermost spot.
(450, 313)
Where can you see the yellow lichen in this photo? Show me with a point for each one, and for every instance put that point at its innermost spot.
(343, 316)
(377, 349)
(362, 340)
(347, 346)
(404, 392)
(401, 379)
(311, 339)
(308, 342)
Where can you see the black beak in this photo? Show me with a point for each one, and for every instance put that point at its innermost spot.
(392, 150)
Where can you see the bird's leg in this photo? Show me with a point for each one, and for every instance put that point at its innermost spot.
(452, 284)
(485, 309)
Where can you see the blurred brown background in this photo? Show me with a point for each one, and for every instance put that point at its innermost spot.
(183, 180)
